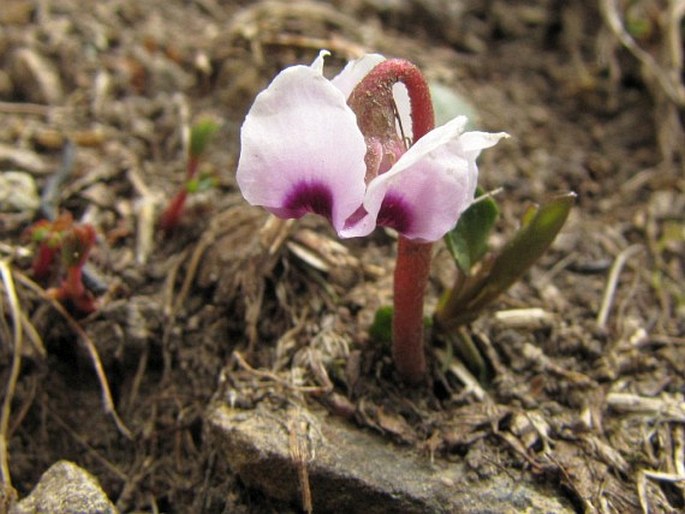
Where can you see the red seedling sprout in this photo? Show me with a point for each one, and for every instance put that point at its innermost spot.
(200, 135)
(76, 246)
(48, 235)
(74, 243)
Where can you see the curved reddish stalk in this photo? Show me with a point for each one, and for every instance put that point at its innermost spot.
(413, 259)
(411, 278)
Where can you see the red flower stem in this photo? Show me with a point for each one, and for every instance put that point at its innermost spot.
(413, 259)
(411, 278)
(172, 214)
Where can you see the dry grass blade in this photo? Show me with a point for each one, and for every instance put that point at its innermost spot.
(146, 214)
(15, 310)
(300, 453)
(90, 348)
(267, 375)
(612, 283)
(667, 407)
(658, 476)
(667, 79)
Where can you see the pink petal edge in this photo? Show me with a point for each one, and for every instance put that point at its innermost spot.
(301, 131)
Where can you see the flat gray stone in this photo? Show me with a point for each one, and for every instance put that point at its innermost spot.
(65, 488)
(352, 471)
(18, 192)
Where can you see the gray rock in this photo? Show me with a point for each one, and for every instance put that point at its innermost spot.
(352, 471)
(65, 488)
(18, 192)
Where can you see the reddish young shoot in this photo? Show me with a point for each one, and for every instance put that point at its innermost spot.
(200, 135)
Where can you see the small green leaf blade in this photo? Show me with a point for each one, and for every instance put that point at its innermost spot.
(468, 241)
(200, 135)
(381, 328)
(527, 245)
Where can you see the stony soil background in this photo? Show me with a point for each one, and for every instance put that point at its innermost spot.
(585, 402)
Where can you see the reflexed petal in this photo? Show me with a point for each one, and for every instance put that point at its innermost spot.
(301, 150)
(354, 71)
(425, 192)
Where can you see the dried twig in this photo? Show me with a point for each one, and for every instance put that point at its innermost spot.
(15, 310)
(667, 408)
(208, 238)
(301, 453)
(471, 384)
(146, 214)
(275, 378)
(668, 79)
(612, 283)
(26, 108)
(641, 480)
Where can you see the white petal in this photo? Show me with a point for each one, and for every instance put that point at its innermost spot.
(353, 73)
(300, 135)
(431, 184)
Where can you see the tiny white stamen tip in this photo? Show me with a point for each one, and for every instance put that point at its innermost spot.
(318, 62)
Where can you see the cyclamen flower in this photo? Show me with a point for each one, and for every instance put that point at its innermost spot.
(303, 151)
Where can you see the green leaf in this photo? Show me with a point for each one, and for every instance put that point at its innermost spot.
(527, 246)
(200, 135)
(468, 241)
(207, 181)
(529, 215)
(540, 226)
(204, 182)
(381, 328)
(448, 104)
(192, 185)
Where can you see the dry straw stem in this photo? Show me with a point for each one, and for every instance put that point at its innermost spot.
(146, 213)
(668, 77)
(274, 378)
(612, 283)
(266, 23)
(662, 71)
(90, 348)
(675, 465)
(301, 453)
(15, 310)
(667, 408)
(471, 384)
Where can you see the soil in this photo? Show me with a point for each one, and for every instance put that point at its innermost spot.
(585, 400)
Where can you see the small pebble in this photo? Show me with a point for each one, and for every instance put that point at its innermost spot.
(18, 192)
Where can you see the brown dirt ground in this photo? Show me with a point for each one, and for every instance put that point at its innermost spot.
(121, 78)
